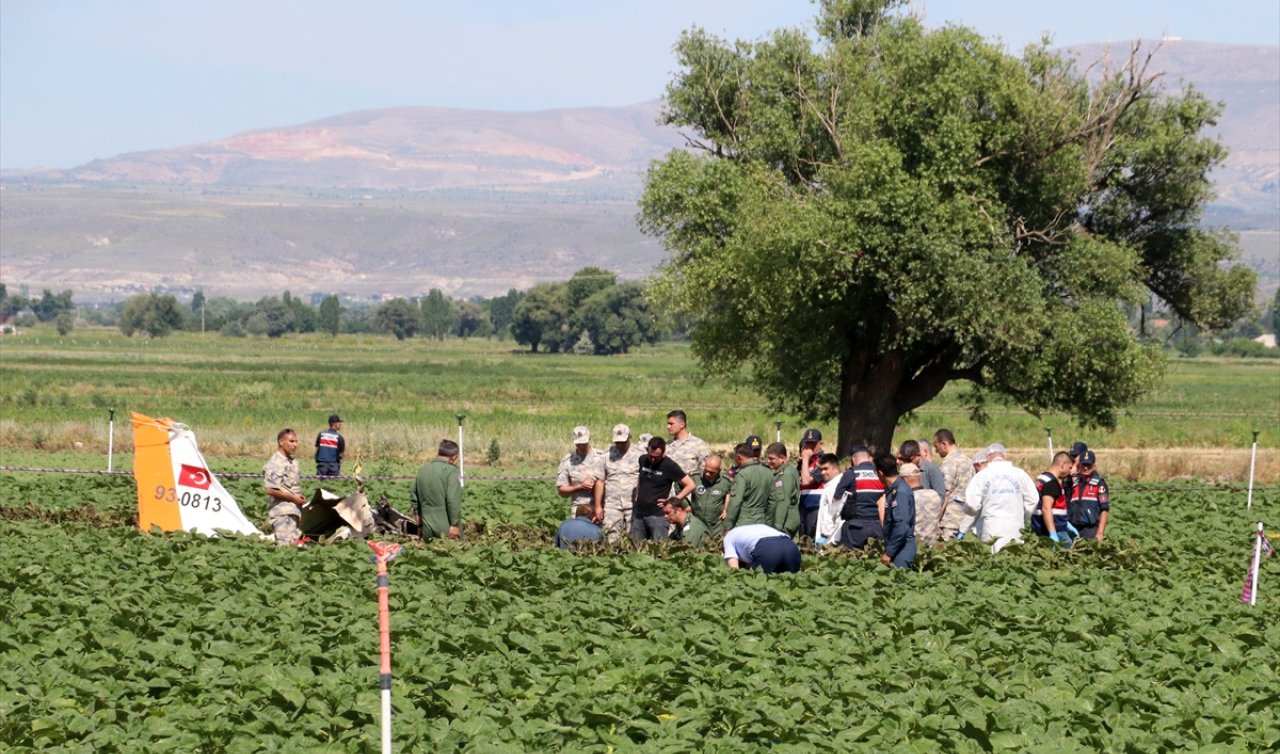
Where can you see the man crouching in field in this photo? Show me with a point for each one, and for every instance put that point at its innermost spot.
(283, 483)
(437, 495)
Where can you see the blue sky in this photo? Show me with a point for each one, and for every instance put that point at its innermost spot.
(81, 79)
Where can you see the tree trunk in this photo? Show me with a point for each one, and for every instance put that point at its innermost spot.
(868, 410)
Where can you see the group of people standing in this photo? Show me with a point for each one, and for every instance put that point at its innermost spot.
(436, 496)
(678, 489)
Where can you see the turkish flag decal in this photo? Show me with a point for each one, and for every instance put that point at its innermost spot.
(194, 476)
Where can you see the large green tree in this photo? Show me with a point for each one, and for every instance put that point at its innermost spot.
(329, 317)
(867, 219)
(153, 314)
(616, 318)
(398, 317)
(540, 317)
(439, 314)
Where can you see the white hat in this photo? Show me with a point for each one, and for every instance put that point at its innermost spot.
(581, 435)
(621, 433)
(996, 449)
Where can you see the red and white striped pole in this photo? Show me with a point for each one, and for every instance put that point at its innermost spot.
(383, 553)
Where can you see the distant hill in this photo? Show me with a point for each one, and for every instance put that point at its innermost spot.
(399, 200)
(412, 148)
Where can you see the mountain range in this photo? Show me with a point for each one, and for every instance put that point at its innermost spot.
(396, 201)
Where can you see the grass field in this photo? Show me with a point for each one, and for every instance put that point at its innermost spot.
(400, 398)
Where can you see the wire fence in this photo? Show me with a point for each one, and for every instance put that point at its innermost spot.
(1123, 486)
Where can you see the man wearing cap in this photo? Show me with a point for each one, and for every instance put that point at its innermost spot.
(899, 514)
(710, 500)
(329, 448)
(859, 491)
(784, 498)
(617, 495)
(686, 449)
(1077, 448)
(580, 473)
(811, 481)
(1002, 497)
(749, 496)
(1088, 499)
(928, 505)
(957, 470)
(437, 495)
(658, 474)
(969, 522)
(761, 546)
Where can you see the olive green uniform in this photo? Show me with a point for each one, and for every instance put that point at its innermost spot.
(437, 498)
(707, 502)
(749, 497)
(694, 532)
(784, 500)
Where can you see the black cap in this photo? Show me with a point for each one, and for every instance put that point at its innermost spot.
(754, 441)
(335, 419)
(1077, 449)
(810, 435)
(1088, 458)
(856, 449)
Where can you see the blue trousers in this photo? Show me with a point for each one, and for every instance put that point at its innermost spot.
(774, 554)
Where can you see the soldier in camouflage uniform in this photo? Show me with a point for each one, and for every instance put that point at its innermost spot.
(283, 484)
(957, 470)
(685, 449)
(618, 493)
(710, 499)
(928, 505)
(580, 473)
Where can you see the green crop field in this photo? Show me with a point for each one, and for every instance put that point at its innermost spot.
(400, 398)
(119, 641)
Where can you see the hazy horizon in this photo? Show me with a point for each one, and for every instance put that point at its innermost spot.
(97, 79)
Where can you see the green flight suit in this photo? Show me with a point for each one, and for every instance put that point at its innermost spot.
(437, 498)
(784, 500)
(749, 498)
(707, 501)
(694, 532)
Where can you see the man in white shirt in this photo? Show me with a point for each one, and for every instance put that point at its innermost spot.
(1002, 498)
(761, 546)
(827, 528)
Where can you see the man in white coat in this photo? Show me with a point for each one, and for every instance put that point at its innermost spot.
(1002, 498)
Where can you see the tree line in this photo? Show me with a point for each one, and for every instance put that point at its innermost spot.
(590, 313)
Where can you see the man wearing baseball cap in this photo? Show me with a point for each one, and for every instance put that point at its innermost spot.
(1088, 499)
(614, 499)
(330, 446)
(811, 480)
(580, 472)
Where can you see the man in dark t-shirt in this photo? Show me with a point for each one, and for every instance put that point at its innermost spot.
(657, 474)
(1051, 519)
